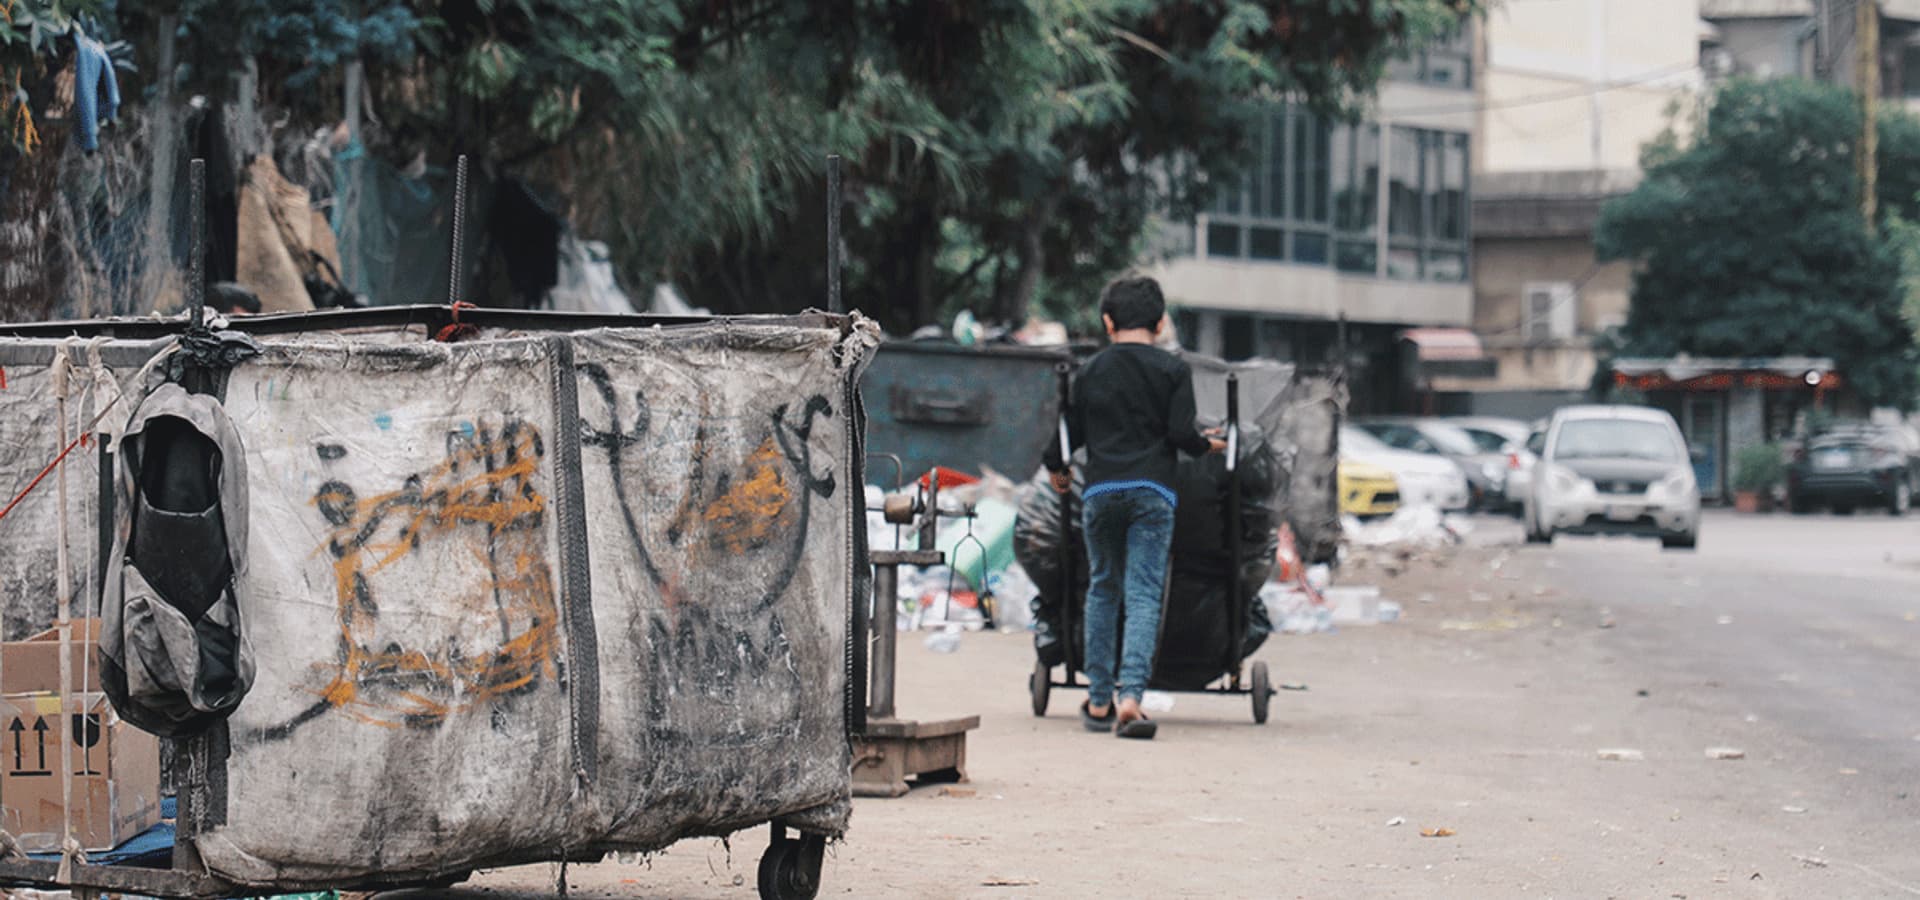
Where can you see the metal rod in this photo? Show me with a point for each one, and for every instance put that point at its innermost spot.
(886, 612)
(197, 242)
(459, 228)
(1236, 606)
(1064, 375)
(930, 528)
(834, 302)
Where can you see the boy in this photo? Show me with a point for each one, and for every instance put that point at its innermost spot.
(1131, 407)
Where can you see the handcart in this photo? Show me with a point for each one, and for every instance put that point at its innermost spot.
(1234, 675)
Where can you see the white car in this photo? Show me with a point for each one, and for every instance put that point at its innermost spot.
(1614, 470)
(1425, 479)
(1507, 437)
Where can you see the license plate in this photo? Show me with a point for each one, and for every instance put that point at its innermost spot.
(1623, 513)
(1833, 459)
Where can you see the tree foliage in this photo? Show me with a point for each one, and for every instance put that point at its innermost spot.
(1750, 241)
(1002, 155)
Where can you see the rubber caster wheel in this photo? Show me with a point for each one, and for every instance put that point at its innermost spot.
(1262, 693)
(790, 869)
(1040, 686)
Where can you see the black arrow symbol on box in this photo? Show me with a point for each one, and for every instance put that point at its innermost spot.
(40, 732)
(17, 730)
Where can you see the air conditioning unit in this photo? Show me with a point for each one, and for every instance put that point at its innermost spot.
(1550, 311)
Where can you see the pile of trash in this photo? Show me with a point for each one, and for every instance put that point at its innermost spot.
(981, 585)
(1411, 526)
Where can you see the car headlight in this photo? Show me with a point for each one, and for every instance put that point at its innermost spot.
(1678, 484)
(1564, 481)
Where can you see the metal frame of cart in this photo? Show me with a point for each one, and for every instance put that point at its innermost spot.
(1257, 683)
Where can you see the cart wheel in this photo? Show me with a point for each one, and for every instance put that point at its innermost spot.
(1040, 685)
(790, 869)
(1262, 692)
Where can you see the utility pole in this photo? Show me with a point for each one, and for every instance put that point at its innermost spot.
(1867, 41)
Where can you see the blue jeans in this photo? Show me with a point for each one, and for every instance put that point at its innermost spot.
(1129, 533)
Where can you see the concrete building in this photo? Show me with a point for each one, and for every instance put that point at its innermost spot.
(1568, 92)
(1368, 223)
(1811, 39)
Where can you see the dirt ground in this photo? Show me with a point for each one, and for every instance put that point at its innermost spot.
(1480, 713)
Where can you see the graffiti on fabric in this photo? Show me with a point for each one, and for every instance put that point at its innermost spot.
(724, 499)
(482, 501)
(718, 504)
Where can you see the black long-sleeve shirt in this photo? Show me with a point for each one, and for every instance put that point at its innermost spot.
(1131, 406)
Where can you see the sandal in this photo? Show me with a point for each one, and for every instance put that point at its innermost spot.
(1142, 728)
(1092, 722)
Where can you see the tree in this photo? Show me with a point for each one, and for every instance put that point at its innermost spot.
(1002, 152)
(1750, 243)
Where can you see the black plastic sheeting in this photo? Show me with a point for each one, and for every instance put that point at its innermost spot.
(1194, 629)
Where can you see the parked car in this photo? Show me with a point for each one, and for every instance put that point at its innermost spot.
(1367, 490)
(1507, 437)
(1486, 471)
(1614, 470)
(1425, 480)
(1855, 465)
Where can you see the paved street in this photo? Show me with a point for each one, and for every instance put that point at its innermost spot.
(1482, 712)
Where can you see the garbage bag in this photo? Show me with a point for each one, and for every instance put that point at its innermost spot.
(1193, 631)
(1039, 533)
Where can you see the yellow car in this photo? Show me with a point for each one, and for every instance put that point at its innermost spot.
(1367, 490)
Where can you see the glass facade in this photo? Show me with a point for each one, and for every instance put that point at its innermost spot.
(1313, 198)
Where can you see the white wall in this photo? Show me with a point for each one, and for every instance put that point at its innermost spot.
(1582, 84)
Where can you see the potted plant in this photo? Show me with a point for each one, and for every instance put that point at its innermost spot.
(1757, 471)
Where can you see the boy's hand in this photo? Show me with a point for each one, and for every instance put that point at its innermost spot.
(1063, 480)
(1218, 445)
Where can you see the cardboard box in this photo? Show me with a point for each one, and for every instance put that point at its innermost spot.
(116, 772)
(33, 666)
(116, 767)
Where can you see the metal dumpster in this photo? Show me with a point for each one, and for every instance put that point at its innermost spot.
(963, 407)
(566, 586)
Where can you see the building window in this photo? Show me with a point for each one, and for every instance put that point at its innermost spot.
(1237, 334)
(1446, 62)
(1279, 212)
(1427, 205)
(1355, 188)
(1186, 327)
(1909, 70)
(1313, 198)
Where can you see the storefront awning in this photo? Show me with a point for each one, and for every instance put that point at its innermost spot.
(1449, 352)
(1773, 373)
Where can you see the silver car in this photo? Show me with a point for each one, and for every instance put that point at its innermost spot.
(1614, 470)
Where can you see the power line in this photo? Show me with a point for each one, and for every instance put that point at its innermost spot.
(1585, 90)
(1548, 97)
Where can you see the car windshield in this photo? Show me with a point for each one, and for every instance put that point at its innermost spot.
(1615, 439)
(1451, 439)
(1488, 441)
(1352, 438)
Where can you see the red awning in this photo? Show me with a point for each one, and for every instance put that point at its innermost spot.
(1444, 344)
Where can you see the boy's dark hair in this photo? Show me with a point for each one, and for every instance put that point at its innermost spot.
(1133, 301)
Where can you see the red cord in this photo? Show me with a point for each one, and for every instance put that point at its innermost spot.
(82, 439)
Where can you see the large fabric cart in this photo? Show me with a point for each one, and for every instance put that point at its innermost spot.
(520, 586)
